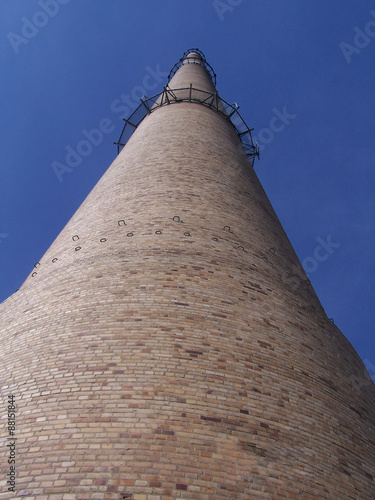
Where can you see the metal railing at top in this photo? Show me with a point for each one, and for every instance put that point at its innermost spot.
(201, 61)
(190, 94)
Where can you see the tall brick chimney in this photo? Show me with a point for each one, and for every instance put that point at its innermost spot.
(169, 344)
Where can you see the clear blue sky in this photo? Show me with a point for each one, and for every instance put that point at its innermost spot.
(66, 65)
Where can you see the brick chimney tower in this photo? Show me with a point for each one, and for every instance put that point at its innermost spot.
(169, 344)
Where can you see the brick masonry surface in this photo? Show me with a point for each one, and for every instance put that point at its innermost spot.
(169, 344)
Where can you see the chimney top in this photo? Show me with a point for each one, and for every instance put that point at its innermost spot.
(193, 56)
